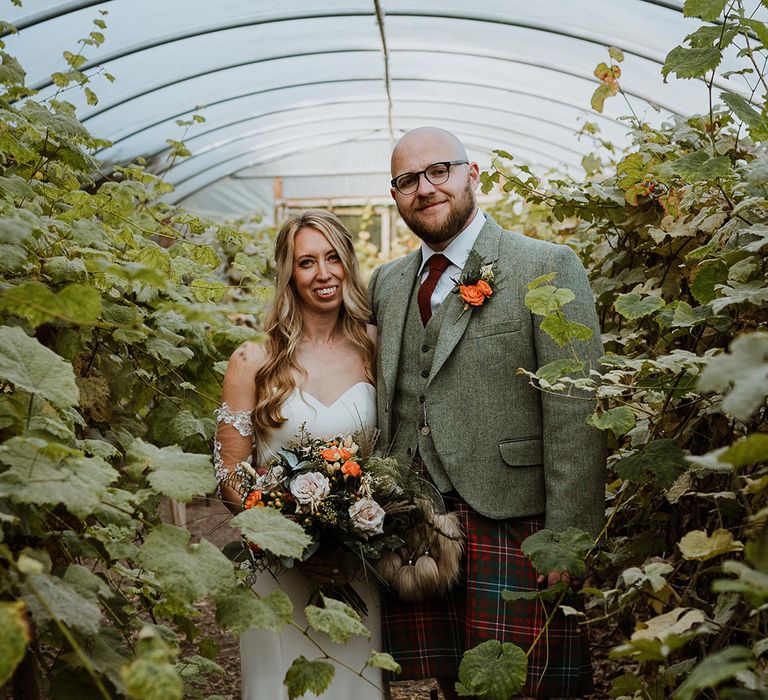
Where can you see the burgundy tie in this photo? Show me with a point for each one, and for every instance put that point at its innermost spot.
(437, 264)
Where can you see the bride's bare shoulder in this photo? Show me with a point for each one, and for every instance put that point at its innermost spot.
(246, 360)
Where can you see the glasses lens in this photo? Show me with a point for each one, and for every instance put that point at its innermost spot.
(437, 174)
(407, 183)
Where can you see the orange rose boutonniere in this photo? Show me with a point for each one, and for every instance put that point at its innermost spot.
(475, 285)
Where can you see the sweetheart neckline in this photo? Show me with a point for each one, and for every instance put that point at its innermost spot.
(304, 392)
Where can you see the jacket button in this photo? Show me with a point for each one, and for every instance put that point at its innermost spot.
(425, 348)
(425, 373)
(409, 451)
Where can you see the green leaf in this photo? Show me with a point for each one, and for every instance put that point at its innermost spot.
(558, 551)
(492, 670)
(634, 305)
(152, 675)
(43, 472)
(541, 280)
(619, 420)
(707, 276)
(741, 375)
(380, 659)
(708, 10)
(272, 531)
(563, 331)
(700, 167)
(305, 676)
(14, 637)
(187, 572)
(749, 450)
(549, 594)
(77, 303)
(547, 299)
(552, 371)
(599, 96)
(758, 128)
(176, 474)
(32, 367)
(691, 63)
(660, 461)
(616, 54)
(50, 596)
(713, 670)
(338, 620)
(698, 545)
(241, 610)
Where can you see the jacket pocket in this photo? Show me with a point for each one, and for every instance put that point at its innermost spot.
(481, 330)
(522, 452)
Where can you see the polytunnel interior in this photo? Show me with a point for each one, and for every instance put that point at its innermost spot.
(303, 99)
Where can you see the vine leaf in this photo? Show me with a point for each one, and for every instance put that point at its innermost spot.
(241, 610)
(75, 303)
(547, 299)
(699, 166)
(308, 676)
(708, 10)
(660, 461)
(749, 450)
(619, 420)
(151, 675)
(62, 600)
(634, 305)
(492, 670)
(691, 63)
(173, 472)
(380, 659)
(741, 375)
(713, 670)
(338, 620)
(562, 331)
(700, 546)
(558, 551)
(552, 371)
(187, 572)
(32, 367)
(43, 472)
(758, 128)
(272, 531)
(14, 639)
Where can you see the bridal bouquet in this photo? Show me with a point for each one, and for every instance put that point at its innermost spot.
(361, 512)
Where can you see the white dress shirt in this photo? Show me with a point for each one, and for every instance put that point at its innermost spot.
(457, 253)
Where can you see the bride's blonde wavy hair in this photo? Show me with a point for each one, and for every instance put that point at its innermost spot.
(283, 325)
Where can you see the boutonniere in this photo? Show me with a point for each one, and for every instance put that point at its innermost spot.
(475, 285)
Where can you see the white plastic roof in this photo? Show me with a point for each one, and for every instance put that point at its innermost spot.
(314, 91)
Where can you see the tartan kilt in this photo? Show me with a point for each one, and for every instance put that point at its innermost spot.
(428, 638)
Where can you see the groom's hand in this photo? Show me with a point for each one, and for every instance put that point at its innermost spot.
(553, 577)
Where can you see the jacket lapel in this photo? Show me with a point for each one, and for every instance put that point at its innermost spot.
(393, 321)
(456, 319)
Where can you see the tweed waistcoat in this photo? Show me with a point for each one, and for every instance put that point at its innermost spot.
(417, 351)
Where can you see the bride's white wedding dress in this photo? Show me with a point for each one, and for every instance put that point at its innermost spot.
(266, 656)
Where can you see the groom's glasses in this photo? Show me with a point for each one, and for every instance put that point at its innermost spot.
(437, 174)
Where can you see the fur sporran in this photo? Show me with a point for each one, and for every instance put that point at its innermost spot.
(427, 566)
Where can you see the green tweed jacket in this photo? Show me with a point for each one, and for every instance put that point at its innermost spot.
(509, 449)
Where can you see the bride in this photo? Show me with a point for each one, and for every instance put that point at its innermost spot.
(316, 370)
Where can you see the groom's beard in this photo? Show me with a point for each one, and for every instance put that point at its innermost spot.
(441, 231)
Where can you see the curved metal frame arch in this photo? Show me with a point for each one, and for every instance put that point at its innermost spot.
(200, 134)
(183, 180)
(127, 100)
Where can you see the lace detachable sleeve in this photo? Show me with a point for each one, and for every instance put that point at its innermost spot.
(233, 443)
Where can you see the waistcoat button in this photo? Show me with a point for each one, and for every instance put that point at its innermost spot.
(425, 373)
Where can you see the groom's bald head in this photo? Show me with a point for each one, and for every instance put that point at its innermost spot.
(424, 141)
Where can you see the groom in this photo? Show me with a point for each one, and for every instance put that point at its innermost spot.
(508, 458)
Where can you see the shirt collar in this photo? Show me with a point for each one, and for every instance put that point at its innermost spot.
(458, 249)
